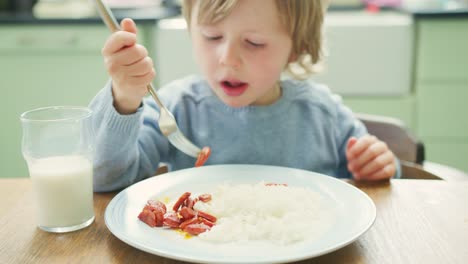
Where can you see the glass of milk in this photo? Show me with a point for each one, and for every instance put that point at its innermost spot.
(57, 145)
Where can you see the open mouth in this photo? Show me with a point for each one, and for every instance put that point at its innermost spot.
(234, 88)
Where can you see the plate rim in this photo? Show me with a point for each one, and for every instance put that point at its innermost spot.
(162, 253)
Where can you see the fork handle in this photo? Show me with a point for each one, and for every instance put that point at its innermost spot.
(107, 16)
(111, 22)
(155, 97)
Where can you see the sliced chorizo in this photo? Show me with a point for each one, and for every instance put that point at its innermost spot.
(156, 204)
(207, 216)
(205, 197)
(196, 229)
(180, 201)
(148, 217)
(187, 213)
(206, 222)
(159, 213)
(203, 156)
(188, 222)
(171, 220)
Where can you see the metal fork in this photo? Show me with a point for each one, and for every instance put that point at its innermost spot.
(166, 121)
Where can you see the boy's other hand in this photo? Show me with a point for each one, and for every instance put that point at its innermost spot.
(370, 159)
(129, 66)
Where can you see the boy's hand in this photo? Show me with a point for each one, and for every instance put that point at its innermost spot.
(129, 66)
(370, 159)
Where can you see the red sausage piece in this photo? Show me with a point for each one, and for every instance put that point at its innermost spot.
(203, 156)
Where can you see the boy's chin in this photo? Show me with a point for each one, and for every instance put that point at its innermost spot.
(231, 101)
(235, 103)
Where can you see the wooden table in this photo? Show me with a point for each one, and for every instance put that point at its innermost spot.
(418, 221)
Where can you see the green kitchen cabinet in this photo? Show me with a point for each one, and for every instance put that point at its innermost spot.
(436, 109)
(441, 85)
(442, 53)
(443, 151)
(442, 111)
(400, 107)
(47, 65)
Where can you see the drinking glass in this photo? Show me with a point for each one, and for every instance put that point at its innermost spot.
(57, 145)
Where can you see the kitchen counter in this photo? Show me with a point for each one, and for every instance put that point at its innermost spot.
(437, 13)
(139, 15)
(454, 11)
(150, 15)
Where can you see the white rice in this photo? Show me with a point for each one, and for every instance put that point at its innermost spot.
(251, 212)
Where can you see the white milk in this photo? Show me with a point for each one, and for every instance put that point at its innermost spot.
(63, 188)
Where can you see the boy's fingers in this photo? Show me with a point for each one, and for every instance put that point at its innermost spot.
(121, 39)
(351, 142)
(128, 25)
(370, 153)
(130, 55)
(349, 145)
(360, 145)
(383, 174)
(117, 41)
(375, 165)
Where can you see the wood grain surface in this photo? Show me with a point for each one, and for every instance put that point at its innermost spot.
(418, 221)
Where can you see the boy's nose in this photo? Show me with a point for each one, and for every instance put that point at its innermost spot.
(230, 56)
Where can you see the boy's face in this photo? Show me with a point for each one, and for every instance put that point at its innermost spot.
(243, 55)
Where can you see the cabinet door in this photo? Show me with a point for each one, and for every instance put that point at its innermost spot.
(442, 88)
(442, 50)
(448, 153)
(45, 67)
(442, 110)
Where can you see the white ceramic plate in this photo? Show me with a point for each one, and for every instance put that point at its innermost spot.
(353, 214)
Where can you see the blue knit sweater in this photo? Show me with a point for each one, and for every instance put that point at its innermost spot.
(307, 128)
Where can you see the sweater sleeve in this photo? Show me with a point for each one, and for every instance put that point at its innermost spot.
(126, 146)
(349, 126)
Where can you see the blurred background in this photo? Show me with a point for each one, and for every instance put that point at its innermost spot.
(406, 59)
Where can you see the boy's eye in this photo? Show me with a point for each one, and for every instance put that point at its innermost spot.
(255, 44)
(213, 37)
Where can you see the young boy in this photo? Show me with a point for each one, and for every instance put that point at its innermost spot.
(241, 107)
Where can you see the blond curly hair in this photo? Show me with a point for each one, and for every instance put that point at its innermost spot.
(302, 18)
